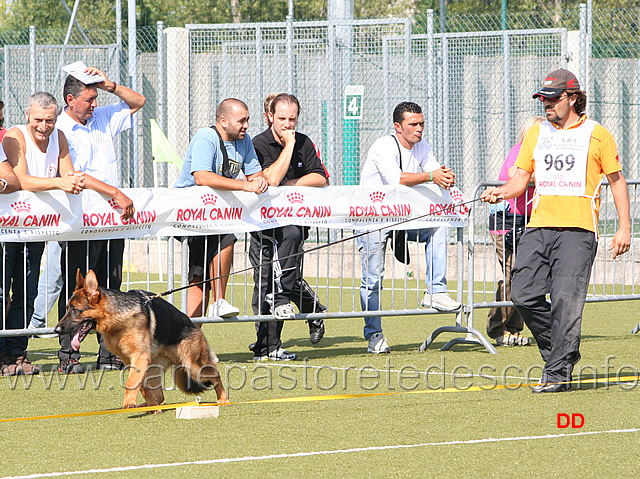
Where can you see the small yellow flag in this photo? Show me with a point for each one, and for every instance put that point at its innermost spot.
(161, 149)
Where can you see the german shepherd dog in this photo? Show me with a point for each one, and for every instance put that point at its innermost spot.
(149, 334)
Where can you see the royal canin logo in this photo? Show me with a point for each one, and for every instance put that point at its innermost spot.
(29, 220)
(114, 204)
(21, 207)
(295, 197)
(209, 211)
(379, 208)
(209, 199)
(377, 196)
(296, 209)
(455, 208)
(456, 195)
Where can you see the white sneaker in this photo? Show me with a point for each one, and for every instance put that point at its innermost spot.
(285, 311)
(440, 301)
(223, 309)
(378, 344)
(279, 354)
(44, 336)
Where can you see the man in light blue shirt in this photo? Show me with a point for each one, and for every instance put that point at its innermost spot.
(207, 164)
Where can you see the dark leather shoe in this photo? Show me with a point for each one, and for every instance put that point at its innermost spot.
(551, 388)
(316, 330)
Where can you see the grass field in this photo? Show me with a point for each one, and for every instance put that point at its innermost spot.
(434, 425)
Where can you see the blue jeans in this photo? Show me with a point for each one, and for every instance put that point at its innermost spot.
(372, 249)
(21, 271)
(49, 287)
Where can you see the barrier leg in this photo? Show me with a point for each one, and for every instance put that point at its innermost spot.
(473, 336)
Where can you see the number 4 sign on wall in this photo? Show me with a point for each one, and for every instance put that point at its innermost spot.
(353, 102)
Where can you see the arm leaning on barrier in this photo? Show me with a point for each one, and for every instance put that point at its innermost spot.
(8, 179)
(122, 200)
(255, 183)
(310, 179)
(443, 177)
(69, 181)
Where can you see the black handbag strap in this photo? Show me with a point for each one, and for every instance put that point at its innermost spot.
(226, 169)
(399, 150)
(399, 245)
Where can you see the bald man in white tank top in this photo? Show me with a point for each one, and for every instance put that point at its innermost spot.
(39, 155)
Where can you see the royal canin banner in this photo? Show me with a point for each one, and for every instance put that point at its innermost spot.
(55, 215)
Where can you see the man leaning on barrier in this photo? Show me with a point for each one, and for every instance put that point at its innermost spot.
(569, 154)
(304, 296)
(12, 349)
(39, 154)
(288, 158)
(3, 130)
(403, 158)
(216, 157)
(91, 130)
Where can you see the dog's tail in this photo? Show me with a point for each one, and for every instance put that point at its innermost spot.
(198, 377)
(189, 383)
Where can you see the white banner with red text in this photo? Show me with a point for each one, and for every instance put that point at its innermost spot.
(55, 215)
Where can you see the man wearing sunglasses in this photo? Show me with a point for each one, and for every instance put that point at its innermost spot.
(570, 154)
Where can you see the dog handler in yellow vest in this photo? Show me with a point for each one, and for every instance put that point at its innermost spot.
(570, 155)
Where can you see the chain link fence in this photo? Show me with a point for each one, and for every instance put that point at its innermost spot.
(474, 82)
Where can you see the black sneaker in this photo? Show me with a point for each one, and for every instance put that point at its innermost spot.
(551, 388)
(316, 330)
(70, 366)
(113, 364)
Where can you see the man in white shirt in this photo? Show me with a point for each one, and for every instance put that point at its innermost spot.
(90, 131)
(403, 158)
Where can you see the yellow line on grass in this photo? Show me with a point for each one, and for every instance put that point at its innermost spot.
(105, 412)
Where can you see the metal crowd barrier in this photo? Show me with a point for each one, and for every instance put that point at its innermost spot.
(333, 270)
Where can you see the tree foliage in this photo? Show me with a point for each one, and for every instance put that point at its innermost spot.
(100, 14)
(45, 14)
